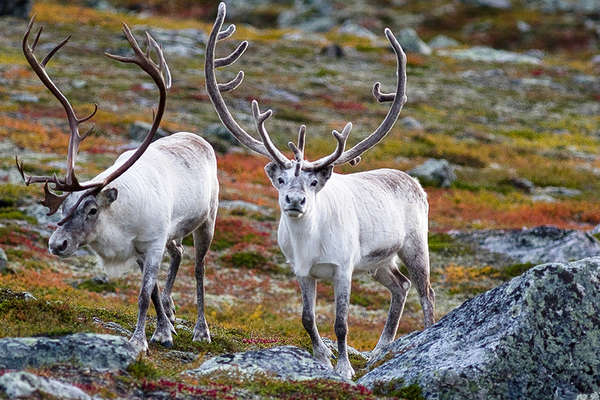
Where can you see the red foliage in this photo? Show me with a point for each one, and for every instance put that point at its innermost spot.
(217, 391)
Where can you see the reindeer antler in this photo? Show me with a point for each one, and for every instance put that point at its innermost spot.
(266, 147)
(70, 183)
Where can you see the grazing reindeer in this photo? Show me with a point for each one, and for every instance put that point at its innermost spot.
(332, 225)
(166, 190)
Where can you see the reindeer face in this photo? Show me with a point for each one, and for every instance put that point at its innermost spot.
(80, 227)
(297, 188)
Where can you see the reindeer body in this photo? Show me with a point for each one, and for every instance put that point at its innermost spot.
(170, 191)
(332, 225)
(359, 220)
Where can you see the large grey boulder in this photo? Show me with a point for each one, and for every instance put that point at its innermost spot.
(535, 337)
(434, 172)
(283, 362)
(536, 245)
(26, 385)
(94, 351)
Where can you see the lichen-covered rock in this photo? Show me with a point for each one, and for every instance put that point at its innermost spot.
(434, 172)
(487, 54)
(24, 385)
(535, 337)
(98, 352)
(16, 8)
(536, 245)
(412, 43)
(283, 362)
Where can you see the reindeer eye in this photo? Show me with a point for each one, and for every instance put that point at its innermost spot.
(281, 181)
(93, 211)
(314, 183)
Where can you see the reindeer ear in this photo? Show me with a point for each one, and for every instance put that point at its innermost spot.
(325, 173)
(107, 197)
(273, 170)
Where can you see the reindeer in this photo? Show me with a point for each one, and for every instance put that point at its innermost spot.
(333, 225)
(147, 200)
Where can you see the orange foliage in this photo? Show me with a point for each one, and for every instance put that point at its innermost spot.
(452, 209)
(35, 136)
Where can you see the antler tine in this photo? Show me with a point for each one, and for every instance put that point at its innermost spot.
(259, 119)
(37, 37)
(299, 150)
(382, 97)
(163, 67)
(225, 33)
(233, 57)
(54, 50)
(232, 84)
(331, 159)
(215, 90)
(155, 71)
(398, 99)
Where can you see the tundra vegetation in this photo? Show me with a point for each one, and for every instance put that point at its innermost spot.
(497, 124)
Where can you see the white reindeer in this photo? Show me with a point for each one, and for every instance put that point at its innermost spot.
(148, 200)
(334, 225)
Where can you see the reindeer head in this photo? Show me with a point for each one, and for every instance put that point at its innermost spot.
(298, 181)
(83, 204)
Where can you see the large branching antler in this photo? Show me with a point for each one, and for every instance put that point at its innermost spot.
(214, 89)
(266, 147)
(70, 183)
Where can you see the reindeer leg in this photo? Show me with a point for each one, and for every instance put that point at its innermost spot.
(308, 287)
(415, 256)
(202, 238)
(398, 285)
(341, 289)
(149, 289)
(175, 250)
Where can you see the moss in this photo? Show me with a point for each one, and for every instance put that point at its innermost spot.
(513, 270)
(143, 368)
(447, 245)
(397, 389)
(13, 213)
(98, 286)
(12, 195)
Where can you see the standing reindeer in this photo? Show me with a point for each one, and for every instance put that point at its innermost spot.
(333, 225)
(147, 200)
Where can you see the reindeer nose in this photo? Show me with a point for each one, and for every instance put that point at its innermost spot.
(296, 199)
(287, 199)
(57, 248)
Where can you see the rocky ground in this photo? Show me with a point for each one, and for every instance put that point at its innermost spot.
(502, 126)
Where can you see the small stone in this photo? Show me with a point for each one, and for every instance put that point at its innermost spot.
(596, 59)
(411, 43)
(523, 27)
(333, 50)
(487, 54)
(139, 129)
(350, 28)
(498, 4)
(24, 98)
(244, 206)
(442, 42)
(434, 172)
(78, 83)
(410, 123)
(3, 261)
(24, 384)
(558, 191)
(521, 183)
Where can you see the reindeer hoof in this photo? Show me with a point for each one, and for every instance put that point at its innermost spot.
(201, 335)
(139, 344)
